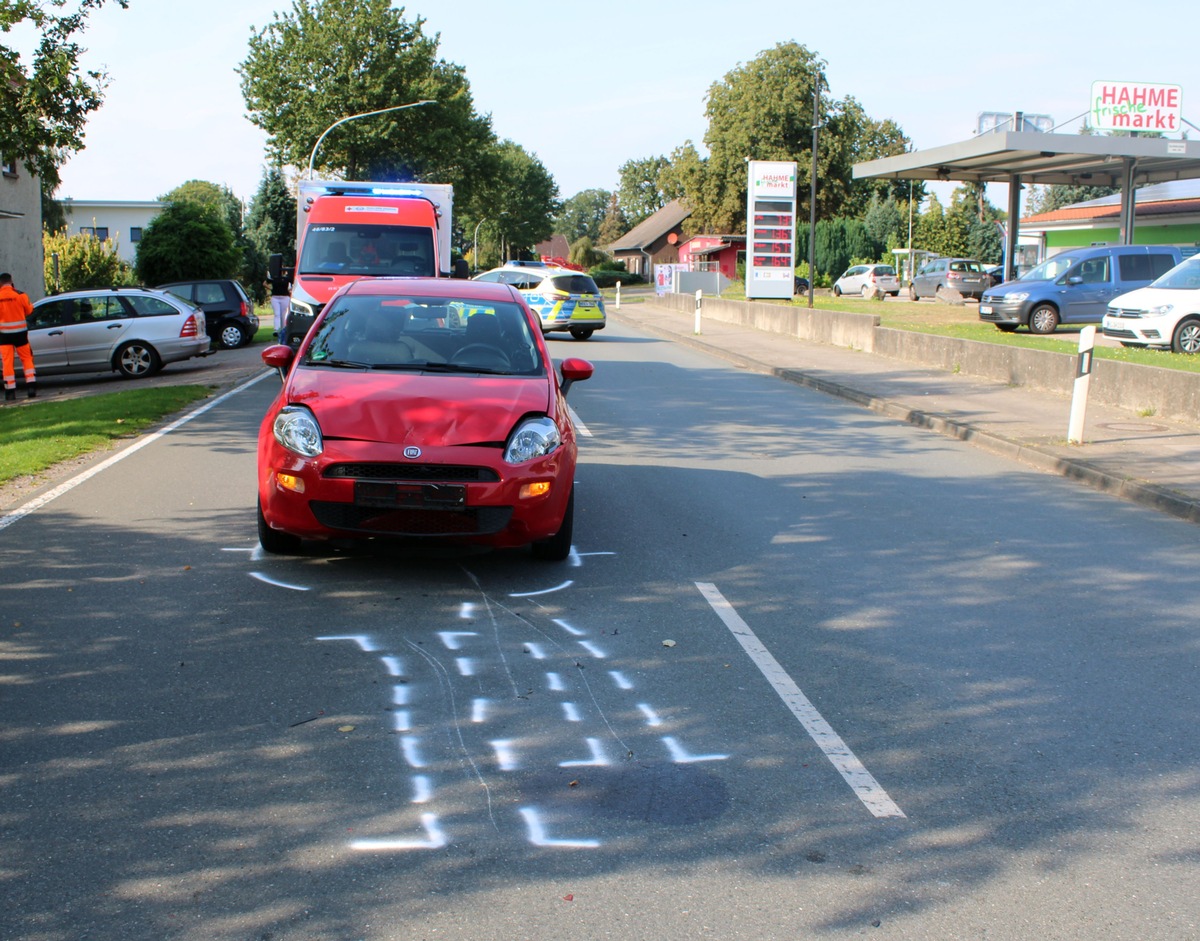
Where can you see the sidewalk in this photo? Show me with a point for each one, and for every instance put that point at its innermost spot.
(1139, 458)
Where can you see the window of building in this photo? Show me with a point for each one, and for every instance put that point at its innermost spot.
(100, 231)
(135, 233)
(8, 167)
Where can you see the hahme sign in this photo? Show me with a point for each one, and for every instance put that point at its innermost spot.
(1132, 106)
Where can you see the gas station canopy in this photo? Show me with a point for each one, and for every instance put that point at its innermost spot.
(1017, 157)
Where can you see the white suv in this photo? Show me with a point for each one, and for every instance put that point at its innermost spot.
(1164, 313)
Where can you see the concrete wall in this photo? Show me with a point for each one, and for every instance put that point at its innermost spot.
(1165, 393)
(21, 231)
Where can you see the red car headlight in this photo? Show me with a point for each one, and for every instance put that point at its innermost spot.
(533, 438)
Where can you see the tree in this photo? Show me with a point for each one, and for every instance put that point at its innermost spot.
(329, 59)
(585, 254)
(529, 195)
(46, 106)
(614, 224)
(763, 111)
(639, 192)
(271, 219)
(220, 199)
(581, 215)
(83, 261)
(882, 219)
(185, 241)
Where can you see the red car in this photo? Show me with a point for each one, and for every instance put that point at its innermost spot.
(420, 409)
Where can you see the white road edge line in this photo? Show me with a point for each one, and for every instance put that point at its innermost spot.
(37, 503)
(864, 785)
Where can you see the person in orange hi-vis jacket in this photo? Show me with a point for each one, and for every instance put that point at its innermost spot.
(14, 338)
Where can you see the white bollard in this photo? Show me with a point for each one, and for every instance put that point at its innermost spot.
(699, 295)
(1083, 378)
(617, 303)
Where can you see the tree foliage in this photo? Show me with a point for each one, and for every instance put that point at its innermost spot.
(271, 219)
(763, 110)
(614, 225)
(84, 261)
(529, 195)
(184, 241)
(46, 105)
(581, 215)
(326, 60)
(640, 192)
(220, 199)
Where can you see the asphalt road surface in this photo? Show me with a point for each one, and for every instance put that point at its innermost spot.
(808, 674)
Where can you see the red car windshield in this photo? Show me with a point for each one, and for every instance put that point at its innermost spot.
(370, 331)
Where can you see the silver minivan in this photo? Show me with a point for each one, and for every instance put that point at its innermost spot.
(964, 275)
(867, 280)
(133, 331)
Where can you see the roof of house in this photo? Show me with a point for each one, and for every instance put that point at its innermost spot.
(653, 227)
(554, 247)
(1161, 199)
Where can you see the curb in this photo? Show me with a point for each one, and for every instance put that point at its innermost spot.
(1146, 494)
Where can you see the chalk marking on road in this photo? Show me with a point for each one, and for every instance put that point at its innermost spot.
(571, 712)
(573, 631)
(394, 665)
(401, 695)
(422, 789)
(453, 639)
(864, 785)
(537, 833)
(593, 649)
(598, 759)
(620, 679)
(479, 710)
(67, 486)
(467, 611)
(277, 583)
(554, 682)
(434, 839)
(506, 755)
(652, 718)
(402, 721)
(466, 665)
(534, 650)
(410, 746)
(681, 756)
(365, 643)
(545, 591)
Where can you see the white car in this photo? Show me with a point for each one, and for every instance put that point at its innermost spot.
(1164, 313)
(868, 280)
(133, 331)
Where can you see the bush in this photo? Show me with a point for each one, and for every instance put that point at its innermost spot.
(84, 261)
(607, 277)
(187, 241)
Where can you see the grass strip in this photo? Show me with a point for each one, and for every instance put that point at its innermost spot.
(36, 435)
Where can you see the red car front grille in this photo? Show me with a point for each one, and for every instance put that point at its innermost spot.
(473, 521)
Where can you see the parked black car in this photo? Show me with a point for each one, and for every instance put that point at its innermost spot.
(227, 310)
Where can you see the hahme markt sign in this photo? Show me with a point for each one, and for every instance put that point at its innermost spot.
(1130, 106)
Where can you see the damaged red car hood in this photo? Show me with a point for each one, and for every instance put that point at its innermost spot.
(427, 410)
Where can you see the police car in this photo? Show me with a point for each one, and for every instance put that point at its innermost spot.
(563, 299)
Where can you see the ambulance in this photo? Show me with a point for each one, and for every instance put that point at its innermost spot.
(348, 230)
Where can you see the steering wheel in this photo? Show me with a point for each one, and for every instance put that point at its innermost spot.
(482, 355)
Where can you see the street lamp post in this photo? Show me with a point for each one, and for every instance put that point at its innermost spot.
(351, 117)
(475, 241)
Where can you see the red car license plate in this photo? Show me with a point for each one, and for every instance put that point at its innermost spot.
(426, 496)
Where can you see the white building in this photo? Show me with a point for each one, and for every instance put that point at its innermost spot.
(119, 220)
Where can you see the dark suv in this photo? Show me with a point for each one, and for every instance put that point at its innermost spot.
(227, 310)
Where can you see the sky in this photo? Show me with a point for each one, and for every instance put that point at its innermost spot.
(587, 87)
